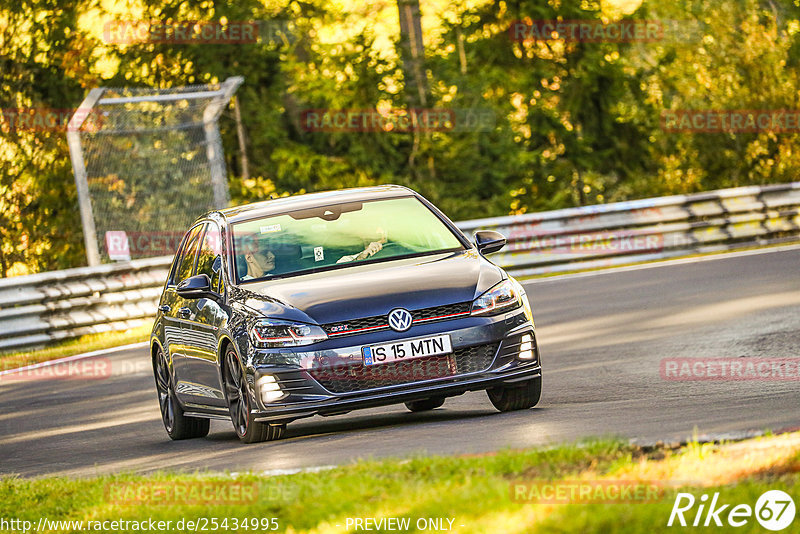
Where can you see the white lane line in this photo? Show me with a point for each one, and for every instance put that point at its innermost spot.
(294, 471)
(101, 352)
(663, 263)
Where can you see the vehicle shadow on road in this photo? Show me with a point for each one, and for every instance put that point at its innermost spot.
(318, 427)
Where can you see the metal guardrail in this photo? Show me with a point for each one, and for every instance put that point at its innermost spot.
(648, 229)
(41, 308)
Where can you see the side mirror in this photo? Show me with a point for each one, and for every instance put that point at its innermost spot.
(489, 241)
(195, 287)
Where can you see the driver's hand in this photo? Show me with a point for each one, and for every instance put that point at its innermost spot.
(373, 248)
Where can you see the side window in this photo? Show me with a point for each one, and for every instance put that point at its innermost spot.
(176, 261)
(209, 260)
(186, 265)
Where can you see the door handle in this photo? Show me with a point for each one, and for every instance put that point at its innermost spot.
(165, 308)
(185, 312)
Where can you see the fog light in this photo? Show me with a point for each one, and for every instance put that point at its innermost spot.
(526, 347)
(269, 389)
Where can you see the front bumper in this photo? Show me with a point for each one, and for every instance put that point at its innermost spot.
(333, 380)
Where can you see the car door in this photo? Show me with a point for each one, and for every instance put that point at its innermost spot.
(179, 337)
(202, 326)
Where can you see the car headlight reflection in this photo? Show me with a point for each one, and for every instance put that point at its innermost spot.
(275, 333)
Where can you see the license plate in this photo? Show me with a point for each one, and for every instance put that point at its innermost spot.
(407, 350)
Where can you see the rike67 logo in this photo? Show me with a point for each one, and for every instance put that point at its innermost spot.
(774, 510)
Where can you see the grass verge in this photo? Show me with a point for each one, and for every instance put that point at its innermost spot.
(460, 494)
(87, 343)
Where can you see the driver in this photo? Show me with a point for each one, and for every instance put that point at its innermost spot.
(258, 264)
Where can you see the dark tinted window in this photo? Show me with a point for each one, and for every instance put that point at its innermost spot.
(186, 264)
(209, 261)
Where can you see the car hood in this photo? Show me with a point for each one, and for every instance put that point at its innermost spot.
(373, 289)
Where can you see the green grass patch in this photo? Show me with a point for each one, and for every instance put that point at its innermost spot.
(475, 492)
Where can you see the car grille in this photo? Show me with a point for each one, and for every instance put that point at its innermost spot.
(380, 322)
(360, 377)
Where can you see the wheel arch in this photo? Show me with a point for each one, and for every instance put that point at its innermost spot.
(155, 344)
(224, 342)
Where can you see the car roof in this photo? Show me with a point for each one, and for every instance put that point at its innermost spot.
(311, 200)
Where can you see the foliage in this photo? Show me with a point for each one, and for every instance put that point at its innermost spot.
(572, 122)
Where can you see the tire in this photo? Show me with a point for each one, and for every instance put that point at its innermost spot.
(177, 425)
(507, 399)
(238, 396)
(425, 404)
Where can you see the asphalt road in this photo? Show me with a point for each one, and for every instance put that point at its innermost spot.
(602, 336)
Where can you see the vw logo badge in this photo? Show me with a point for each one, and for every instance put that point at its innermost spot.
(400, 319)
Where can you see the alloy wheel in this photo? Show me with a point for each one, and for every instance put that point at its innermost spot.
(165, 393)
(236, 389)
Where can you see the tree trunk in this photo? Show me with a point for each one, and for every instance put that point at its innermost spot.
(412, 52)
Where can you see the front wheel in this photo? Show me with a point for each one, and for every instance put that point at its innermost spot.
(178, 426)
(248, 430)
(518, 397)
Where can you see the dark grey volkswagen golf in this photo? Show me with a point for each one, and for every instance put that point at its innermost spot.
(325, 303)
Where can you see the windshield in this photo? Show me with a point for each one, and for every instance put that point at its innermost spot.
(338, 236)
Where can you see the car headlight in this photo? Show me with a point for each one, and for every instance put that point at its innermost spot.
(504, 296)
(277, 333)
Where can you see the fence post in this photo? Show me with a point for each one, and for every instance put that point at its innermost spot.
(79, 170)
(216, 162)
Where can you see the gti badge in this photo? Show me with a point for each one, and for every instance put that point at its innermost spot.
(400, 319)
